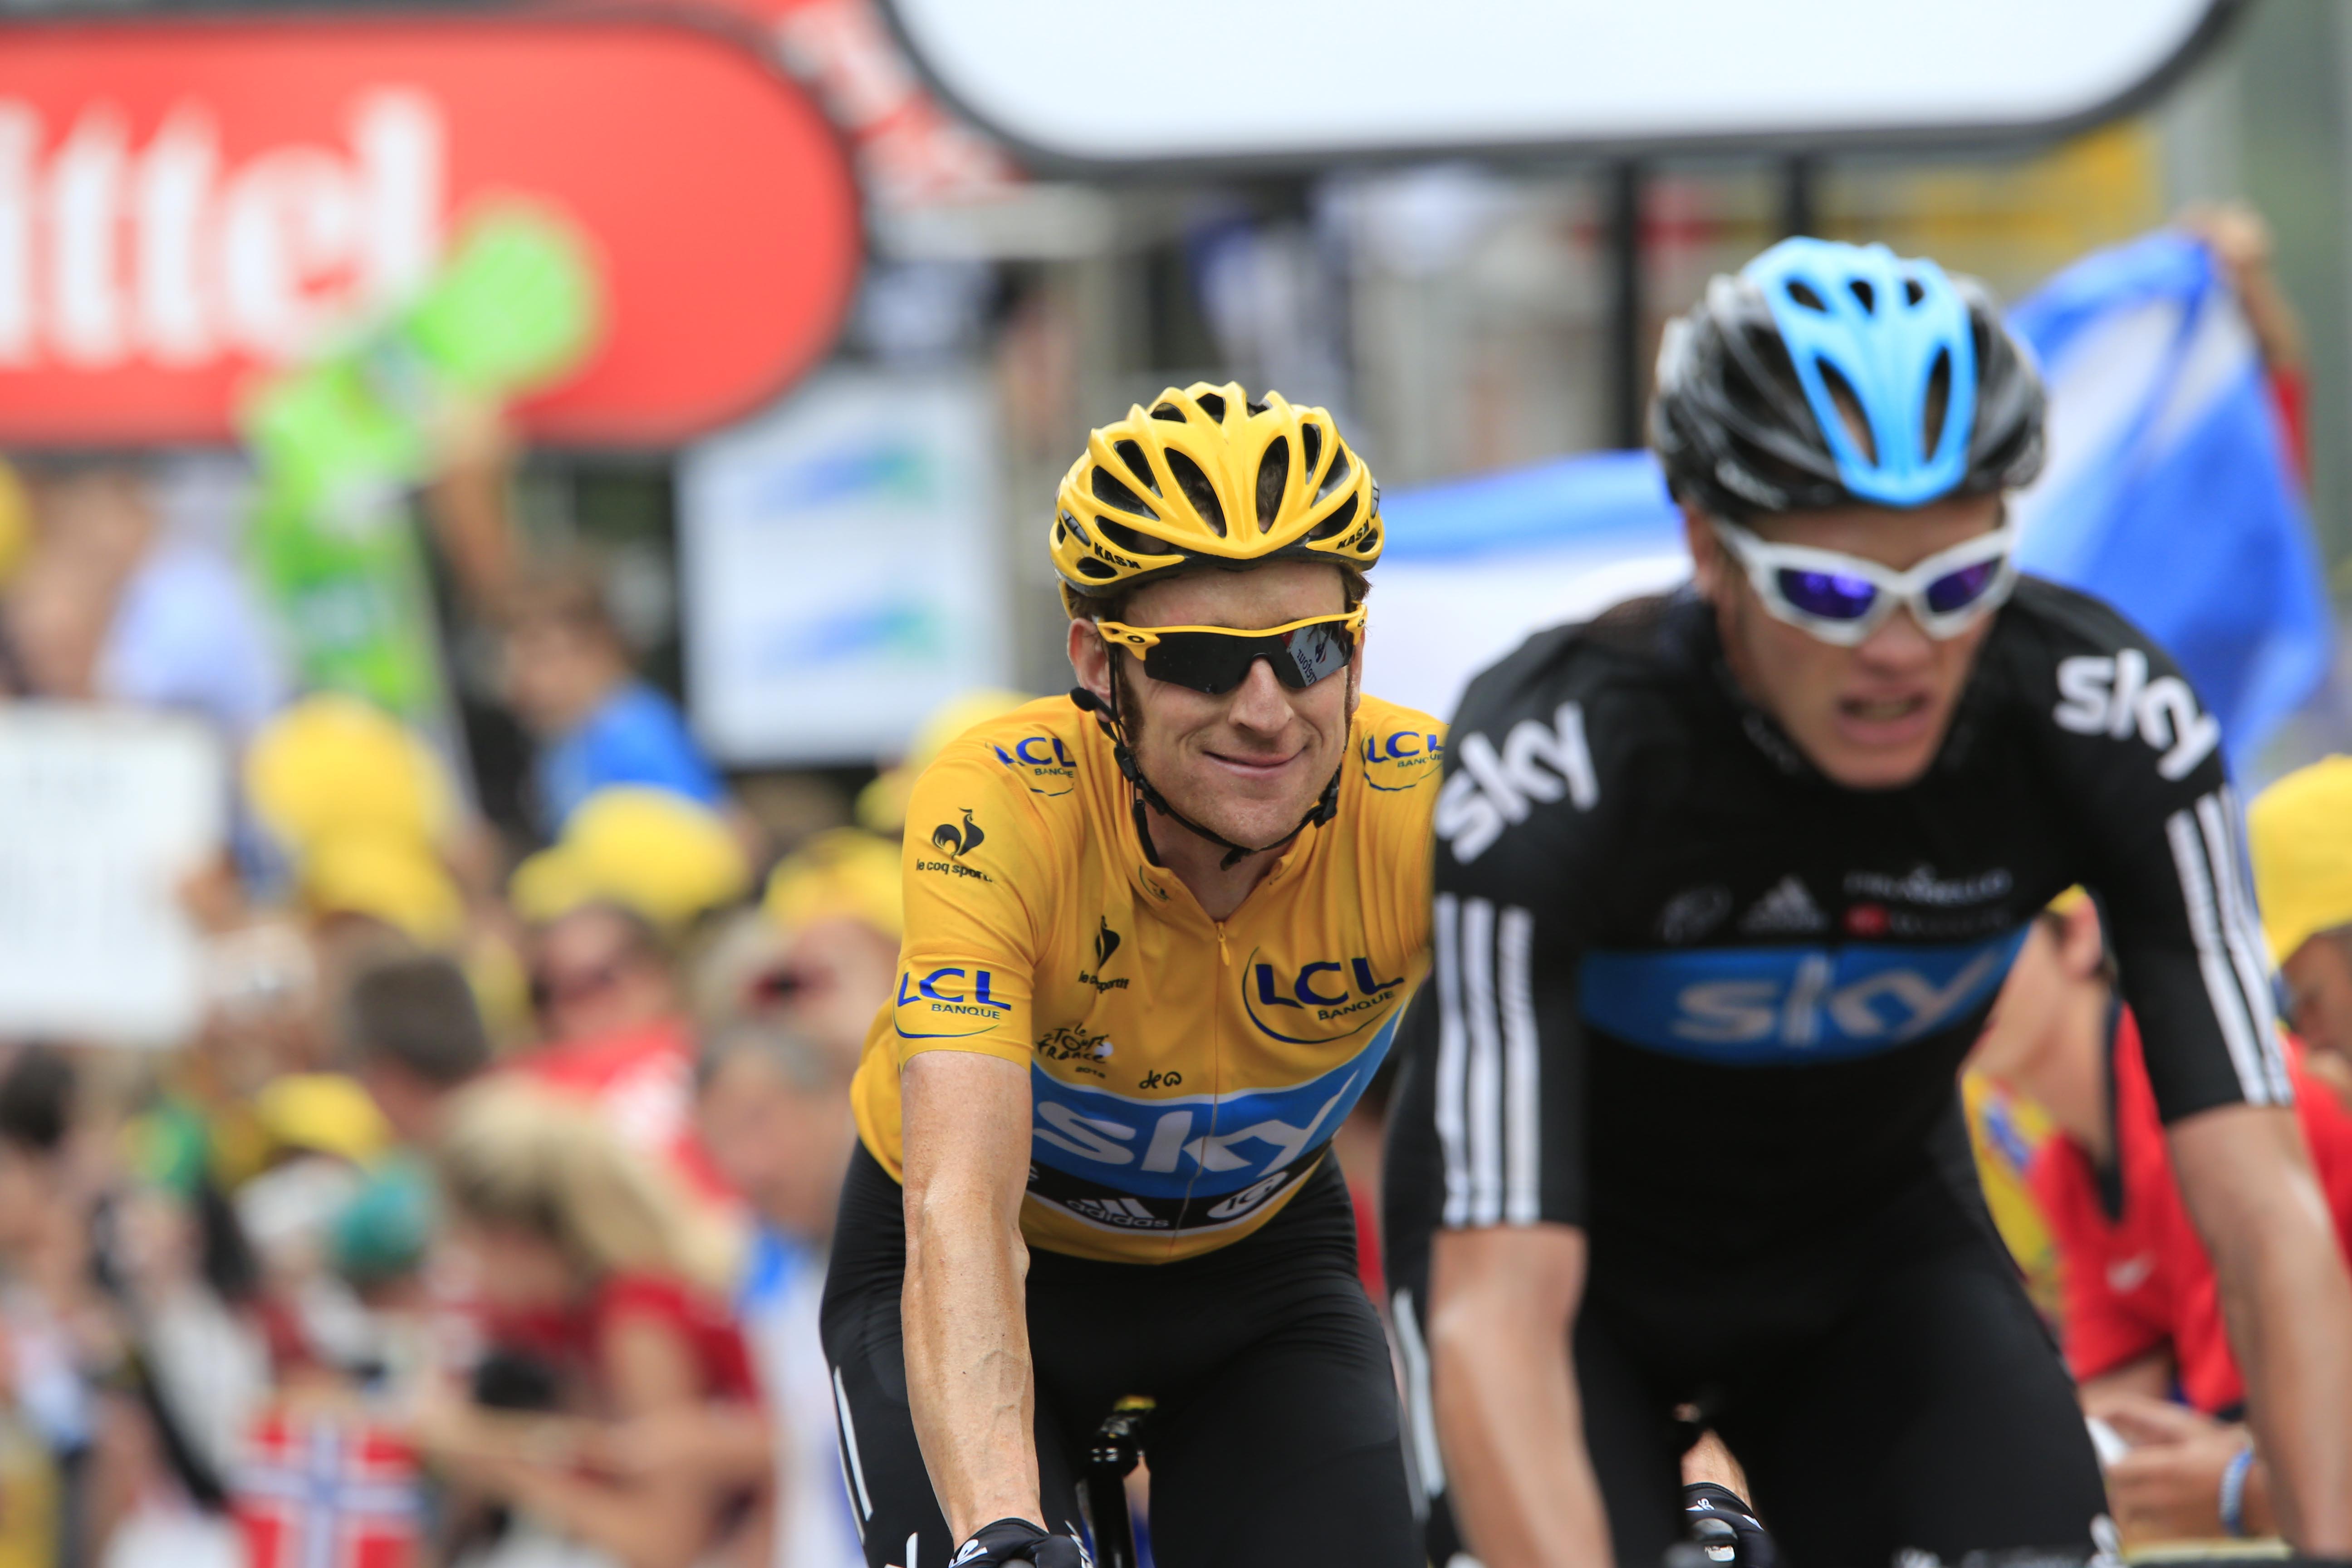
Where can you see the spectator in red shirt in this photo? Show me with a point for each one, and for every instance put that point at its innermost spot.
(2141, 1307)
(598, 1281)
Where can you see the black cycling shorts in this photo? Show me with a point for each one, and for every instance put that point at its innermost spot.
(1886, 1387)
(1275, 1442)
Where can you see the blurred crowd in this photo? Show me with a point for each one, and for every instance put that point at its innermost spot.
(483, 1217)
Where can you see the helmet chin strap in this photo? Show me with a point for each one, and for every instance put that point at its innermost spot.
(1147, 794)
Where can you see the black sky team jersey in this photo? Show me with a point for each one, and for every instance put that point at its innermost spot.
(1682, 977)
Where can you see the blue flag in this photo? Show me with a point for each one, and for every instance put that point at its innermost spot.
(2169, 491)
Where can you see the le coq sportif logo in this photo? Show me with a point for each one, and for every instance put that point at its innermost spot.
(957, 842)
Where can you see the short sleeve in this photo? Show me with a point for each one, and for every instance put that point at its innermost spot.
(2143, 765)
(967, 968)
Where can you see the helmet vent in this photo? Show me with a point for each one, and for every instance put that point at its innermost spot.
(1211, 405)
(1803, 293)
(1864, 293)
(1914, 291)
(1168, 411)
(1255, 409)
(1940, 400)
(1089, 567)
(1197, 487)
(1110, 489)
(1273, 479)
(1310, 442)
(1849, 407)
(1132, 453)
(1341, 468)
(1337, 523)
(1119, 536)
(1371, 542)
(1072, 524)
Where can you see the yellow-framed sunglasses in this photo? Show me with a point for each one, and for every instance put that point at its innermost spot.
(1215, 659)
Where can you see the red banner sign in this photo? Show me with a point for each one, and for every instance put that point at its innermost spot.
(184, 202)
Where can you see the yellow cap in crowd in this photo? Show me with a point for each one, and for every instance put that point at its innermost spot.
(324, 1113)
(845, 872)
(391, 879)
(332, 766)
(882, 804)
(2300, 833)
(652, 852)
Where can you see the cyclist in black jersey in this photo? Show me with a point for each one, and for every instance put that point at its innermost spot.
(1724, 885)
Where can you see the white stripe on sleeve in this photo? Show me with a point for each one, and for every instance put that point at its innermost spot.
(2222, 986)
(1522, 1071)
(1485, 1098)
(2247, 949)
(1453, 1061)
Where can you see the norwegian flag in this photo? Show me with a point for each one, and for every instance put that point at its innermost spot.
(326, 1489)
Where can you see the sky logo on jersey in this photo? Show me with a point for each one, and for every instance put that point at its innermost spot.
(1788, 1005)
(1196, 1144)
(1287, 1004)
(950, 1003)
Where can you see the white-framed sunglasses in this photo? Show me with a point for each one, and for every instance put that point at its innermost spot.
(1843, 598)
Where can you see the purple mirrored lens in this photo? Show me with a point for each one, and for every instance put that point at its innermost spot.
(1959, 589)
(1828, 594)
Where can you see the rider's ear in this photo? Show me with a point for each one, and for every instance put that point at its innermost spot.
(1090, 659)
(1706, 551)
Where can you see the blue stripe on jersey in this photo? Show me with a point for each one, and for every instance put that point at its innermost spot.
(1169, 1146)
(1760, 1006)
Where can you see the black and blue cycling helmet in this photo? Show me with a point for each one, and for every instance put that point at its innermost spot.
(1826, 373)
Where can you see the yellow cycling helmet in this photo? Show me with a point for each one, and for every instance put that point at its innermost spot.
(1208, 476)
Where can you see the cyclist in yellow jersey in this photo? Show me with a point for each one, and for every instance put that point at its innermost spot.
(1159, 933)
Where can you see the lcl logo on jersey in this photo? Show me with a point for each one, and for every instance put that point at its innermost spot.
(950, 992)
(1405, 759)
(2101, 696)
(1495, 789)
(1052, 771)
(1326, 989)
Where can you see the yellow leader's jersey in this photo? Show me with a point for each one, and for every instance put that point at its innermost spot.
(1185, 1074)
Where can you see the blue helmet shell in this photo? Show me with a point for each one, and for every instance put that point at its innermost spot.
(1889, 330)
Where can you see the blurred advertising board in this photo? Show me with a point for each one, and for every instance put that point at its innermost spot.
(185, 202)
(104, 816)
(840, 565)
(1076, 84)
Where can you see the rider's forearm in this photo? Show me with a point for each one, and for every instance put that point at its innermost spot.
(968, 1370)
(2289, 1311)
(2286, 1303)
(1507, 1414)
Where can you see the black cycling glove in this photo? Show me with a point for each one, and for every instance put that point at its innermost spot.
(1018, 1540)
(1719, 1516)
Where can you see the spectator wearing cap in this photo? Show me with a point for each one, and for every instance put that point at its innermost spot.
(838, 903)
(2300, 833)
(2140, 1308)
(608, 906)
(568, 677)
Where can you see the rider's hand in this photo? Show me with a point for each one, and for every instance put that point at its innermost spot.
(1708, 1504)
(2168, 1487)
(1012, 1541)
